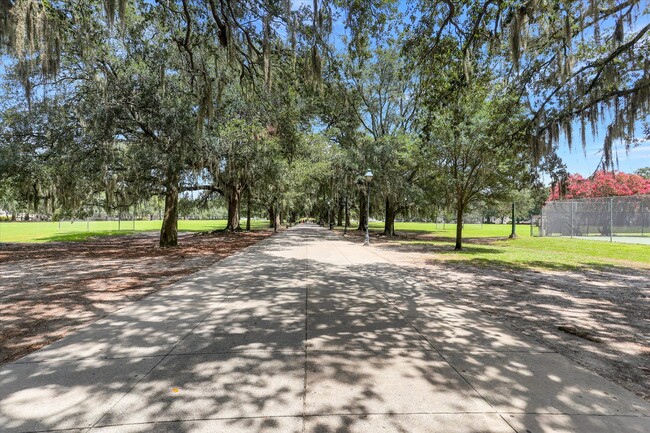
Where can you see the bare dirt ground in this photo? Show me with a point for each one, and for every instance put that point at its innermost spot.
(600, 318)
(50, 290)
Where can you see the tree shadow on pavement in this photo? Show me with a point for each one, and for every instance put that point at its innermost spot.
(304, 333)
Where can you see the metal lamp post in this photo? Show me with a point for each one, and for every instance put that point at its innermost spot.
(513, 234)
(368, 177)
(329, 208)
(329, 205)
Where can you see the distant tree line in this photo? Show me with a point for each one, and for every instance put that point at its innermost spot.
(270, 108)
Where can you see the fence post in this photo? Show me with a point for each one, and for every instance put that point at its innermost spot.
(642, 219)
(572, 219)
(513, 234)
(611, 219)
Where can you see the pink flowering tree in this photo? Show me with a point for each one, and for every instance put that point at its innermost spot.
(601, 184)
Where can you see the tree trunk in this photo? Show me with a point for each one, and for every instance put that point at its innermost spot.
(274, 217)
(363, 215)
(13, 216)
(241, 194)
(339, 216)
(459, 226)
(36, 200)
(233, 196)
(248, 210)
(347, 217)
(347, 213)
(169, 229)
(389, 222)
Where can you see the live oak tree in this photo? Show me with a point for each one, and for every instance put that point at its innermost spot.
(148, 111)
(139, 123)
(160, 69)
(468, 156)
(276, 119)
(351, 146)
(470, 122)
(143, 104)
(579, 62)
(570, 63)
(241, 150)
(398, 166)
(459, 104)
(386, 104)
(43, 162)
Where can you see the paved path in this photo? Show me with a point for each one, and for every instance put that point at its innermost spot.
(645, 240)
(306, 332)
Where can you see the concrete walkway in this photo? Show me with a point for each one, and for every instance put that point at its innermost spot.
(306, 332)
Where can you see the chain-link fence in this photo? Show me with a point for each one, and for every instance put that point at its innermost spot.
(627, 216)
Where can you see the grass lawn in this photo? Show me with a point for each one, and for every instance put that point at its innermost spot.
(524, 252)
(449, 230)
(545, 253)
(80, 230)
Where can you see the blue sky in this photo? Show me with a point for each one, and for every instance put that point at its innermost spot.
(586, 162)
(577, 160)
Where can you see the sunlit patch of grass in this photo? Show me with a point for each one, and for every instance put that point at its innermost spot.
(541, 253)
(82, 236)
(35, 231)
(449, 230)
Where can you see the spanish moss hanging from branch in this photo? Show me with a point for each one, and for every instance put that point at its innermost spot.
(577, 77)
